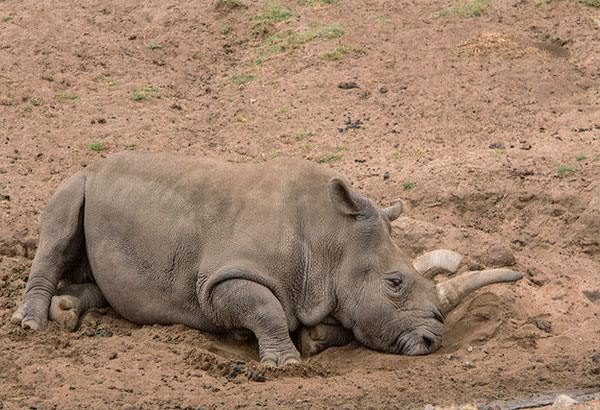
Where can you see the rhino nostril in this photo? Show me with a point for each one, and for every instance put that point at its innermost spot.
(427, 342)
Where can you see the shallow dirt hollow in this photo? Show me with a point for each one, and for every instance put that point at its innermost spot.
(486, 126)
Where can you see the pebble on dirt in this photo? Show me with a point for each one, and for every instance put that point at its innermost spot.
(257, 376)
(348, 85)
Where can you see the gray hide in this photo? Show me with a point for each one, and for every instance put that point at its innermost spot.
(223, 247)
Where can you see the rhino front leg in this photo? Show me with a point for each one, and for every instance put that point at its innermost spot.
(242, 304)
(329, 333)
(72, 301)
(60, 248)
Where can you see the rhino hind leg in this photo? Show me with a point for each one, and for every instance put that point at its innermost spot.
(243, 304)
(329, 333)
(72, 301)
(60, 249)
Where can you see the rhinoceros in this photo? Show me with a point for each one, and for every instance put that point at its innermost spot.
(266, 249)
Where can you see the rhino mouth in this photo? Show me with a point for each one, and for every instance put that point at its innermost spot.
(417, 342)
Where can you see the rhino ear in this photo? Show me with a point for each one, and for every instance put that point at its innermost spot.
(343, 197)
(393, 211)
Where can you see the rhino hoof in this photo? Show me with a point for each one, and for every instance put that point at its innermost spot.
(27, 321)
(63, 310)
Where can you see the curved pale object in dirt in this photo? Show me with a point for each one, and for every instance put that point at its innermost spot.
(438, 261)
(452, 291)
(394, 210)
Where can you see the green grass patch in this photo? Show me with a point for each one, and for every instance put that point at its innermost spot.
(580, 157)
(303, 134)
(596, 158)
(409, 185)
(342, 148)
(242, 78)
(564, 169)
(6, 19)
(66, 96)
(272, 15)
(36, 101)
(333, 31)
(276, 153)
(154, 46)
(397, 153)
(336, 54)
(285, 40)
(96, 146)
(595, 3)
(305, 146)
(143, 93)
(329, 158)
(474, 8)
(226, 29)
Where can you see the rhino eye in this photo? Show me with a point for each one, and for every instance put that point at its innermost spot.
(395, 282)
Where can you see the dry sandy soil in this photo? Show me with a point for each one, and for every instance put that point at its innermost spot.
(487, 126)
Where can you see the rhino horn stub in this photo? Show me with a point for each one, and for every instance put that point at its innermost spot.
(436, 262)
(452, 291)
(394, 210)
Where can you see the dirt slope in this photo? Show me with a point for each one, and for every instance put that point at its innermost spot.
(487, 126)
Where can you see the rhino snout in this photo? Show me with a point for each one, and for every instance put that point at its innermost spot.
(419, 342)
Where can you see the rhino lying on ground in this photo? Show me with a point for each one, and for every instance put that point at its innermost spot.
(266, 249)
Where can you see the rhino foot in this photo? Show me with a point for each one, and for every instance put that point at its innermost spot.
(32, 314)
(63, 309)
(279, 359)
(315, 339)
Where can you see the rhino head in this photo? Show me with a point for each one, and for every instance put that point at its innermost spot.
(390, 303)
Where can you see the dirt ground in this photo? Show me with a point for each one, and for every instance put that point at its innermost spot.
(484, 120)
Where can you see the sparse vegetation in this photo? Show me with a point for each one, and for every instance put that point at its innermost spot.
(336, 54)
(305, 146)
(258, 61)
(285, 40)
(230, 3)
(333, 31)
(154, 46)
(409, 185)
(284, 109)
(24, 108)
(256, 160)
(329, 158)
(226, 29)
(36, 101)
(397, 153)
(302, 134)
(48, 77)
(596, 158)
(595, 3)
(580, 157)
(142, 93)
(342, 148)
(96, 146)
(66, 96)
(473, 8)
(564, 169)
(242, 78)
(274, 14)
(276, 153)
(6, 19)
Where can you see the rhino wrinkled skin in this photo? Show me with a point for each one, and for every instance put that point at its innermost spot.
(268, 248)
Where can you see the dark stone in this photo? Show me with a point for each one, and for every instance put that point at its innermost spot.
(348, 85)
(383, 90)
(386, 175)
(234, 370)
(497, 145)
(257, 376)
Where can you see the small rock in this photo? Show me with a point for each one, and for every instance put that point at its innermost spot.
(596, 357)
(178, 107)
(127, 407)
(592, 295)
(543, 324)
(93, 122)
(496, 256)
(101, 120)
(348, 85)
(257, 376)
(3, 171)
(383, 90)
(484, 350)
(469, 349)
(234, 370)
(563, 401)
(428, 407)
(526, 147)
(497, 145)
(359, 160)
(468, 365)
(113, 356)
(386, 175)
(4, 197)
(449, 357)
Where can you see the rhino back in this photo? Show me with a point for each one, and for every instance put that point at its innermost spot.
(158, 225)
